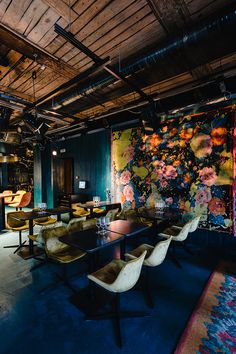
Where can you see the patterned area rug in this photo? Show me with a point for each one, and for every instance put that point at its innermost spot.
(212, 326)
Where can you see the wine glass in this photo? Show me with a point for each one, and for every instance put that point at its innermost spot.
(107, 221)
(103, 225)
(98, 224)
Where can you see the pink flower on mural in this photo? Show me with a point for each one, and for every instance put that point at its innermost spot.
(169, 200)
(128, 193)
(125, 177)
(217, 206)
(201, 144)
(169, 172)
(163, 183)
(203, 196)
(208, 176)
(128, 153)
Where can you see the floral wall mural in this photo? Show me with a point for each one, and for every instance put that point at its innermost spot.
(187, 164)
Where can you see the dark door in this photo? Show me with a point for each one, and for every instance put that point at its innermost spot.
(63, 176)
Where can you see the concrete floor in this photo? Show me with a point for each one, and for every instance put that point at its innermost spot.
(33, 321)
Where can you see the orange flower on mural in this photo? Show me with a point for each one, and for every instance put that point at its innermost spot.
(216, 206)
(218, 136)
(122, 198)
(187, 178)
(173, 132)
(182, 143)
(186, 134)
(176, 163)
(155, 140)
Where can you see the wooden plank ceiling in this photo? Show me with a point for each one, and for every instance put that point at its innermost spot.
(124, 30)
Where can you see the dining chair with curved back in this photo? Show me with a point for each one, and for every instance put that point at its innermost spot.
(7, 199)
(154, 257)
(117, 277)
(59, 252)
(179, 236)
(17, 199)
(16, 225)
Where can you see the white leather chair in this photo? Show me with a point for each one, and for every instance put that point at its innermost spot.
(154, 257)
(118, 276)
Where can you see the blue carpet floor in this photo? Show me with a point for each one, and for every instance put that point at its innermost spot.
(36, 322)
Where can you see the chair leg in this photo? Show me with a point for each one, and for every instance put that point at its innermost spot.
(186, 248)
(116, 315)
(147, 290)
(173, 256)
(21, 244)
(117, 319)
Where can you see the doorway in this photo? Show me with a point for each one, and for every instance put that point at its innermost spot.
(63, 175)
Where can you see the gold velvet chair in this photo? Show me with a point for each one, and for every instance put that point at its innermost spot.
(154, 257)
(24, 201)
(7, 200)
(79, 212)
(80, 225)
(17, 199)
(118, 276)
(47, 220)
(59, 252)
(16, 225)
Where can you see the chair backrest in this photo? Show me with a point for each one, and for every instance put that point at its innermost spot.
(183, 234)
(12, 222)
(81, 225)
(158, 254)
(7, 199)
(25, 199)
(17, 198)
(194, 223)
(128, 275)
(51, 239)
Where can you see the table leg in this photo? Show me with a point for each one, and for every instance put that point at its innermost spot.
(122, 249)
(31, 242)
(2, 222)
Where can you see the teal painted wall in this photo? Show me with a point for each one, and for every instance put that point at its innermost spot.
(92, 161)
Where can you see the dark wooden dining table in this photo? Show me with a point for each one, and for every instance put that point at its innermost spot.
(90, 205)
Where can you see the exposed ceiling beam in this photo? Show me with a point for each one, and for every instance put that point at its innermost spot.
(118, 75)
(62, 9)
(29, 49)
(72, 82)
(170, 13)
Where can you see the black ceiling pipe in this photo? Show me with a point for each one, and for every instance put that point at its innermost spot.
(187, 48)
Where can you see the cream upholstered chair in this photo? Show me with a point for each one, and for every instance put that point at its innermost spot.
(155, 256)
(118, 276)
(178, 236)
(58, 252)
(16, 225)
(194, 224)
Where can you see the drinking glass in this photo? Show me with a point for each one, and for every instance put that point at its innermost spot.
(103, 225)
(98, 224)
(107, 221)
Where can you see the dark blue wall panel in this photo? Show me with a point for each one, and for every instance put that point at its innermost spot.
(92, 161)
